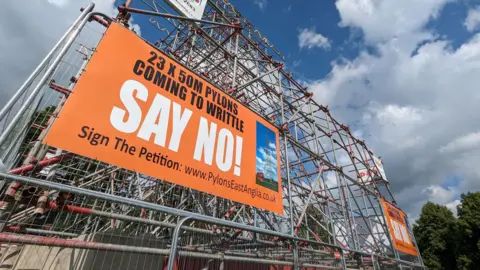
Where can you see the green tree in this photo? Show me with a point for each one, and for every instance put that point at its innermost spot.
(435, 232)
(40, 118)
(469, 231)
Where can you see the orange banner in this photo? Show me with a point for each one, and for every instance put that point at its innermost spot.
(136, 108)
(397, 224)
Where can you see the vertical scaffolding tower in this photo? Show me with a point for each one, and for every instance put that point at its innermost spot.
(58, 205)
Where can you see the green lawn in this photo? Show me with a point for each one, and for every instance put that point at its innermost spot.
(268, 184)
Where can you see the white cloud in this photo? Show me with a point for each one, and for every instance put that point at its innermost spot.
(397, 123)
(59, 3)
(310, 39)
(326, 90)
(381, 20)
(262, 4)
(463, 143)
(433, 193)
(442, 196)
(438, 194)
(453, 206)
(331, 179)
(472, 22)
(411, 94)
(267, 163)
(393, 113)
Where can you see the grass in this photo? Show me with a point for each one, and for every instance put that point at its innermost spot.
(268, 184)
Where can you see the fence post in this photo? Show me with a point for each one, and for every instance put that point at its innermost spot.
(344, 264)
(173, 249)
(374, 263)
(296, 265)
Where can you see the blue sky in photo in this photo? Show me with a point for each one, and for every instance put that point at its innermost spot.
(266, 151)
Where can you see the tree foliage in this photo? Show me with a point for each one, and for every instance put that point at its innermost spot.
(446, 242)
(40, 118)
(469, 228)
(435, 235)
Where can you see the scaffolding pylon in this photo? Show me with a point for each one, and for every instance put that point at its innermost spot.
(61, 208)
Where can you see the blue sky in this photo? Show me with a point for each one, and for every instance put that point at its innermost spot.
(402, 73)
(281, 21)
